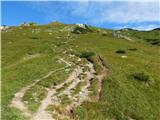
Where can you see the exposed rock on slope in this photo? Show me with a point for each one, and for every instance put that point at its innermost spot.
(117, 34)
(80, 28)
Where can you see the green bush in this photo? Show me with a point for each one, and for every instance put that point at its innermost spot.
(121, 51)
(34, 38)
(153, 41)
(86, 54)
(141, 76)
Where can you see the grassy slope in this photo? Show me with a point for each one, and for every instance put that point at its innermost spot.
(17, 73)
(122, 95)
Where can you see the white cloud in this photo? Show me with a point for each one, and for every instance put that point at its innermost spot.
(99, 13)
(122, 13)
(132, 12)
(119, 12)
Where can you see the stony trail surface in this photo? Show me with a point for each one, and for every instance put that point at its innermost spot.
(42, 114)
(53, 95)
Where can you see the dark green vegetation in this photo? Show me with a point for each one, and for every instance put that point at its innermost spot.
(29, 53)
(86, 54)
(94, 89)
(121, 51)
(153, 41)
(151, 37)
(141, 76)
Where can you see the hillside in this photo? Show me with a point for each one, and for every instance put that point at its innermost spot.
(66, 71)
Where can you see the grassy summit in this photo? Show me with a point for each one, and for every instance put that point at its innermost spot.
(130, 89)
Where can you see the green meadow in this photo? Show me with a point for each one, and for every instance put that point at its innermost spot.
(130, 90)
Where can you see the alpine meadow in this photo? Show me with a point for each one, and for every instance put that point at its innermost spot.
(77, 71)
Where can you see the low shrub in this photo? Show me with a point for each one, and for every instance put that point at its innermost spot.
(121, 51)
(153, 41)
(86, 54)
(34, 38)
(141, 76)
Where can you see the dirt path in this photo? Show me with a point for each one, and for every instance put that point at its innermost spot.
(18, 102)
(42, 114)
(83, 94)
(79, 98)
(53, 95)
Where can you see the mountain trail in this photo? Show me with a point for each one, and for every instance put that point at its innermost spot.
(18, 102)
(42, 114)
(65, 96)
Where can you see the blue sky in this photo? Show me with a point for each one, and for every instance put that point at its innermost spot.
(114, 14)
